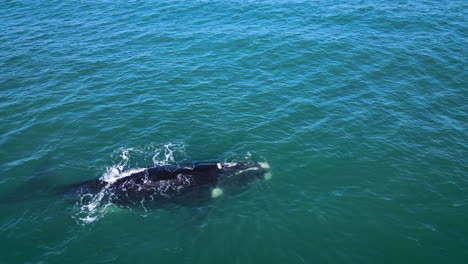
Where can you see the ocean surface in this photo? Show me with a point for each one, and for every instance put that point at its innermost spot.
(360, 108)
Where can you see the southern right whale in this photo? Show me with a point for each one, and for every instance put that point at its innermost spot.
(174, 182)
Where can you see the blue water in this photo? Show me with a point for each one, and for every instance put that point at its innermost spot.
(359, 107)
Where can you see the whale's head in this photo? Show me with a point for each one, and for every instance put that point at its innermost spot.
(243, 173)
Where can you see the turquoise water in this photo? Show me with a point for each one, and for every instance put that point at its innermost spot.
(359, 107)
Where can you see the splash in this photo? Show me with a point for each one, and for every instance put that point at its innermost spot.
(93, 206)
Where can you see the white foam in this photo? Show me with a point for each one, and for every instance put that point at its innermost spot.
(88, 219)
(124, 154)
(165, 154)
(93, 209)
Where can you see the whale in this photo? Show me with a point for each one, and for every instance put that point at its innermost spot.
(182, 182)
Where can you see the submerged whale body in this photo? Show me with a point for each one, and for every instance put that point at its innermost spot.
(173, 182)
